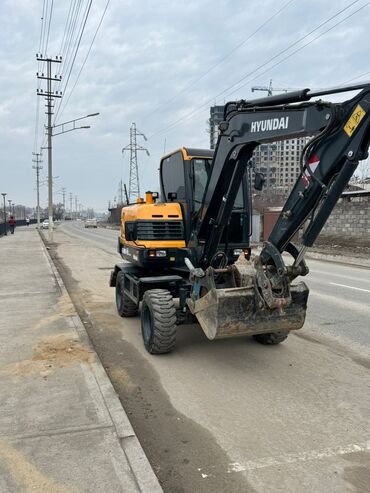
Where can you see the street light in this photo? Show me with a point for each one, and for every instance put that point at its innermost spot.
(51, 133)
(5, 229)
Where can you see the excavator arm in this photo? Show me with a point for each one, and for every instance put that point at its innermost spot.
(341, 135)
(258, 296)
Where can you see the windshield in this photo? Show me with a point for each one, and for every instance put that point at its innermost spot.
(201, 170)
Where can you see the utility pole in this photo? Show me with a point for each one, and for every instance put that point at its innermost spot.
(76, 206)
(64, 200)
(5, 228)
(49, 96)
(70, 204)
(120, 192)
(133, 147)
(37, 167)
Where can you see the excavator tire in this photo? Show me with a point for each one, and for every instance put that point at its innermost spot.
(158, 321)
(271, 338)
(125, 306)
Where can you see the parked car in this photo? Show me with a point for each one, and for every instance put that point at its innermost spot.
(45, 224)
(91, 223)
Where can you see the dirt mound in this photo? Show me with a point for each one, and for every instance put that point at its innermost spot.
(51, 353)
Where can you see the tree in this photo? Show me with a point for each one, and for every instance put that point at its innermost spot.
(58, 211)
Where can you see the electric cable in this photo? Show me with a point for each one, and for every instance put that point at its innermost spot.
(209, 101)
(222, 59)
(75, 54)
(87, 55)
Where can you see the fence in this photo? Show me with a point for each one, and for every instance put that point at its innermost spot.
(19, 222)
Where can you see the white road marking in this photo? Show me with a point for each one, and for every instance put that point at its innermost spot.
(350, 287)
(303, 456)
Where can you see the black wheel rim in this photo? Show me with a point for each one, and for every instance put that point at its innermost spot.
(118, 295)
(147, 325)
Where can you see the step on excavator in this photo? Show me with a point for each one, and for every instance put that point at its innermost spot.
(187, 254)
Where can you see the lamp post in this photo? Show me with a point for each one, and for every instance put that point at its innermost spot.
(52, 133)
(5, 228)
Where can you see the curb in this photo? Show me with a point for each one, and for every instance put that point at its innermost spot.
(350, 261)
(140, 466)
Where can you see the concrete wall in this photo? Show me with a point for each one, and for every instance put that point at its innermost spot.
(349, 221)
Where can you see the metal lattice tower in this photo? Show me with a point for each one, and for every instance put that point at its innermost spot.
(133, 147)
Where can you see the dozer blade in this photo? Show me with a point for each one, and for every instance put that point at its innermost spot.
(234, 312)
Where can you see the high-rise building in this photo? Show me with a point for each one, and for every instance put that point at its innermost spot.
(279, 161)
(216, 116)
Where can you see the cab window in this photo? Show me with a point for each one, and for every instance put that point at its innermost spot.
(200, 174)
(173, 177)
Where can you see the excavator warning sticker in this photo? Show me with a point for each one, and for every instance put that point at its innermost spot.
(354, 120)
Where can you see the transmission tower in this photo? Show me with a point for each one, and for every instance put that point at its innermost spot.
(133, 147)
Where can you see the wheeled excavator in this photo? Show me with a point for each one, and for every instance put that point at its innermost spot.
(187, 253)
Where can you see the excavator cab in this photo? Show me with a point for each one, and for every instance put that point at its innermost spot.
(184, 175)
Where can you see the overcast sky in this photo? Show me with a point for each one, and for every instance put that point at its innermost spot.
(151, 63)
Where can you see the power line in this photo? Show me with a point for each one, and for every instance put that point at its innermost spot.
(50, 17)
(223, 92)
(304, 46)
(86, 57)
(222, 59)
(75, 54)
(70, 31)
(66, 26)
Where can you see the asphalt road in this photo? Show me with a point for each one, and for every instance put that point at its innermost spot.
(232, 415)
(339, 303)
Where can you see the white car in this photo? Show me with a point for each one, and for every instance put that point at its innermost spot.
(45, 224)
(91, 223)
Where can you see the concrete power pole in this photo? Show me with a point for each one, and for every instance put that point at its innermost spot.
(37, 167)
(76, 211)
(133, 147)
(64, 201)
(70, 204)
(49, 96)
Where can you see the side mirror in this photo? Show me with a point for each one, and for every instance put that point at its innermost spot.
(130, 231)
(259, 180)
(172, 196)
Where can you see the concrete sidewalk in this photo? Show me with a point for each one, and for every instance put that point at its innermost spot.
(62, 426)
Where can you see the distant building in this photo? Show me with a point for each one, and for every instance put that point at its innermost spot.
(279, 161)
(216, 116)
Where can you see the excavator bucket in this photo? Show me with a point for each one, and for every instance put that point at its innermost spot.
(234, 312)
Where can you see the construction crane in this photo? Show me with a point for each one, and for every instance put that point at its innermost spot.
(269, 89)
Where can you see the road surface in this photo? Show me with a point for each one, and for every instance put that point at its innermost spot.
(232, 415)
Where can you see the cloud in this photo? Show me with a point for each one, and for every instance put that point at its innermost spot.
(142, 68)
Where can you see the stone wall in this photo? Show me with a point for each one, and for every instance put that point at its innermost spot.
(349, 222)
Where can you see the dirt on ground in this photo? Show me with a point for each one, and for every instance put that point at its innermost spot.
(51, 353)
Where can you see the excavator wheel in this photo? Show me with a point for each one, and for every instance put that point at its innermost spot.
(125, 306)
(158, 321)
(271, 338)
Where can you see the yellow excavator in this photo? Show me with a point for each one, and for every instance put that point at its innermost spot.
(187, 253)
